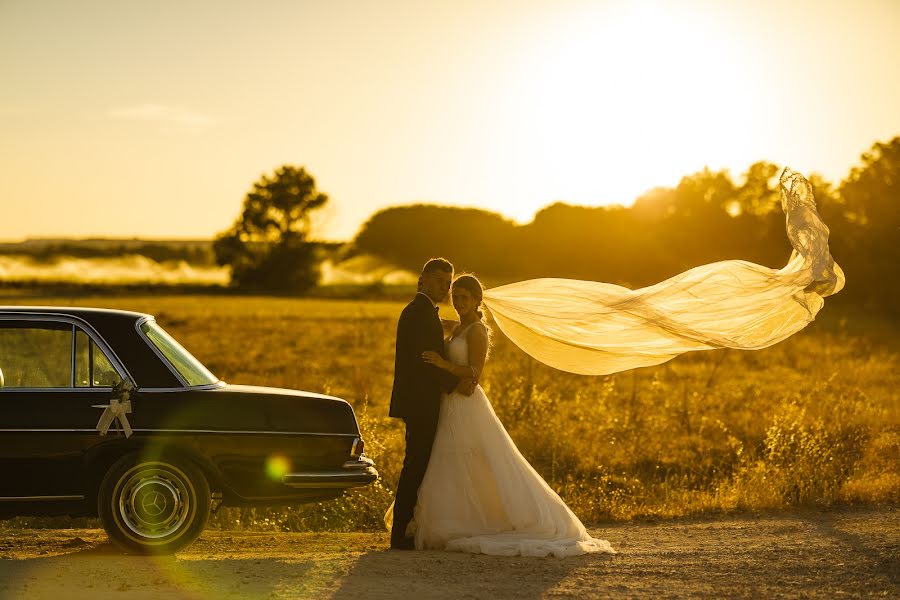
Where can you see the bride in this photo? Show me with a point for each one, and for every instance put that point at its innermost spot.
(479, 493)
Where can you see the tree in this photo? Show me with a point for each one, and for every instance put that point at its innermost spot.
(759, 194)
(407, 236)
(870, 197)
(703, 195)
(870, 192)
(267, 247)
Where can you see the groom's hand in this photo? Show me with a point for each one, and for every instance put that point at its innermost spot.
(466, 386)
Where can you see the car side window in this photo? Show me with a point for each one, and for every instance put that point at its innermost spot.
(92, 367)
(36, 355)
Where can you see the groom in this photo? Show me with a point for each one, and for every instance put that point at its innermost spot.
(416, 397)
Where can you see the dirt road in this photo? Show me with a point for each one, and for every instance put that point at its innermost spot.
(846, 553)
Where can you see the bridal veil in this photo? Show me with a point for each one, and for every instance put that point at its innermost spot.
(595, 328)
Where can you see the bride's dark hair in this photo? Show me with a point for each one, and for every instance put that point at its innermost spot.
(471, 284)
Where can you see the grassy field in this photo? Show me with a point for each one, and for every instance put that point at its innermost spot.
(814, 420)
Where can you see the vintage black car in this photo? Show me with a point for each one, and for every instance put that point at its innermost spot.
(102, 413)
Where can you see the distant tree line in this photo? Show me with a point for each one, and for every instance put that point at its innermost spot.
(707, 217)
(195, 252)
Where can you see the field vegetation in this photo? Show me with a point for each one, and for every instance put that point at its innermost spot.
(814, 420)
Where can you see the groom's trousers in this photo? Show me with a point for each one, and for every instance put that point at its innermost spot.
(420, 430)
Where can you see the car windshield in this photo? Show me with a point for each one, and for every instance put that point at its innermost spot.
(190, 369)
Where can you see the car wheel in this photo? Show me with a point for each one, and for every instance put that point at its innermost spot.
(153, 506)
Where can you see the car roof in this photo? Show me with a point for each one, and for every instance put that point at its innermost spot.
(87, 314)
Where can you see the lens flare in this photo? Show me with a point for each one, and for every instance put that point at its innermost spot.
(277, 466)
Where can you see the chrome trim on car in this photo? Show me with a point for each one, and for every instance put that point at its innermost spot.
(331, 479)
(207, 386)
(248, 432)
(355, 473)
(361, 463)
(189, 431)
(116, 362)
(58, 389)
(38, 498)
(73, 365)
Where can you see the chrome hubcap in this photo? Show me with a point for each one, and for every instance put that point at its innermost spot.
(154, 502)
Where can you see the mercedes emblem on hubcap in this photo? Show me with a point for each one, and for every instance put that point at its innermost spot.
(153, 503)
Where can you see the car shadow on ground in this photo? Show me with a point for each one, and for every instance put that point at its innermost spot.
(102, 570)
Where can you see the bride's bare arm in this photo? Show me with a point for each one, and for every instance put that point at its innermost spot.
(477, 338)
(478, 342)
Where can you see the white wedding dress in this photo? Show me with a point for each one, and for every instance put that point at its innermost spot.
(481, 495)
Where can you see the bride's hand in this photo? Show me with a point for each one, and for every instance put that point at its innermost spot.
(433, 358)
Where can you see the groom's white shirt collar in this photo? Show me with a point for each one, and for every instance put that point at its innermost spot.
(427, 296)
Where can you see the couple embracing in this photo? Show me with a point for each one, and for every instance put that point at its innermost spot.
(464, 484)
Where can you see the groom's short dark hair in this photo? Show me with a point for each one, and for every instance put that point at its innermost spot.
(437, 264)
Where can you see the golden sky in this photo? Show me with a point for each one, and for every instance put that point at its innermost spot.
(152, 119)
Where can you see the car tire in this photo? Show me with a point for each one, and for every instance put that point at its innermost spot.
(153, 505)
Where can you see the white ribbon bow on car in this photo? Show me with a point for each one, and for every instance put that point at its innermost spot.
(117, 409)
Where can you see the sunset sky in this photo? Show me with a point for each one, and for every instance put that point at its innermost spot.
(152, 119)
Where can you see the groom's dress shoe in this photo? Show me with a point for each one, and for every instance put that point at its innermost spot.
(404, 544)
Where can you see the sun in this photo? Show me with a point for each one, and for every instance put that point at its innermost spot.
(622, 103)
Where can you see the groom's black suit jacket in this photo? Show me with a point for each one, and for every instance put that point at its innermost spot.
(417, 384)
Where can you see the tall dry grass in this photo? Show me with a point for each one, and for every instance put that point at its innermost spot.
(814, 420)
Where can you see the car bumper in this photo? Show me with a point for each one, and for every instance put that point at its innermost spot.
(353, 473)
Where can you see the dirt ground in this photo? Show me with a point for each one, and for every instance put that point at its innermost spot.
(837, 553)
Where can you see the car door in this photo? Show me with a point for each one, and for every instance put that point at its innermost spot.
(54, 374)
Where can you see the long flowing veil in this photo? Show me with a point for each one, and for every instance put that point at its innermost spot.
(597, 328)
